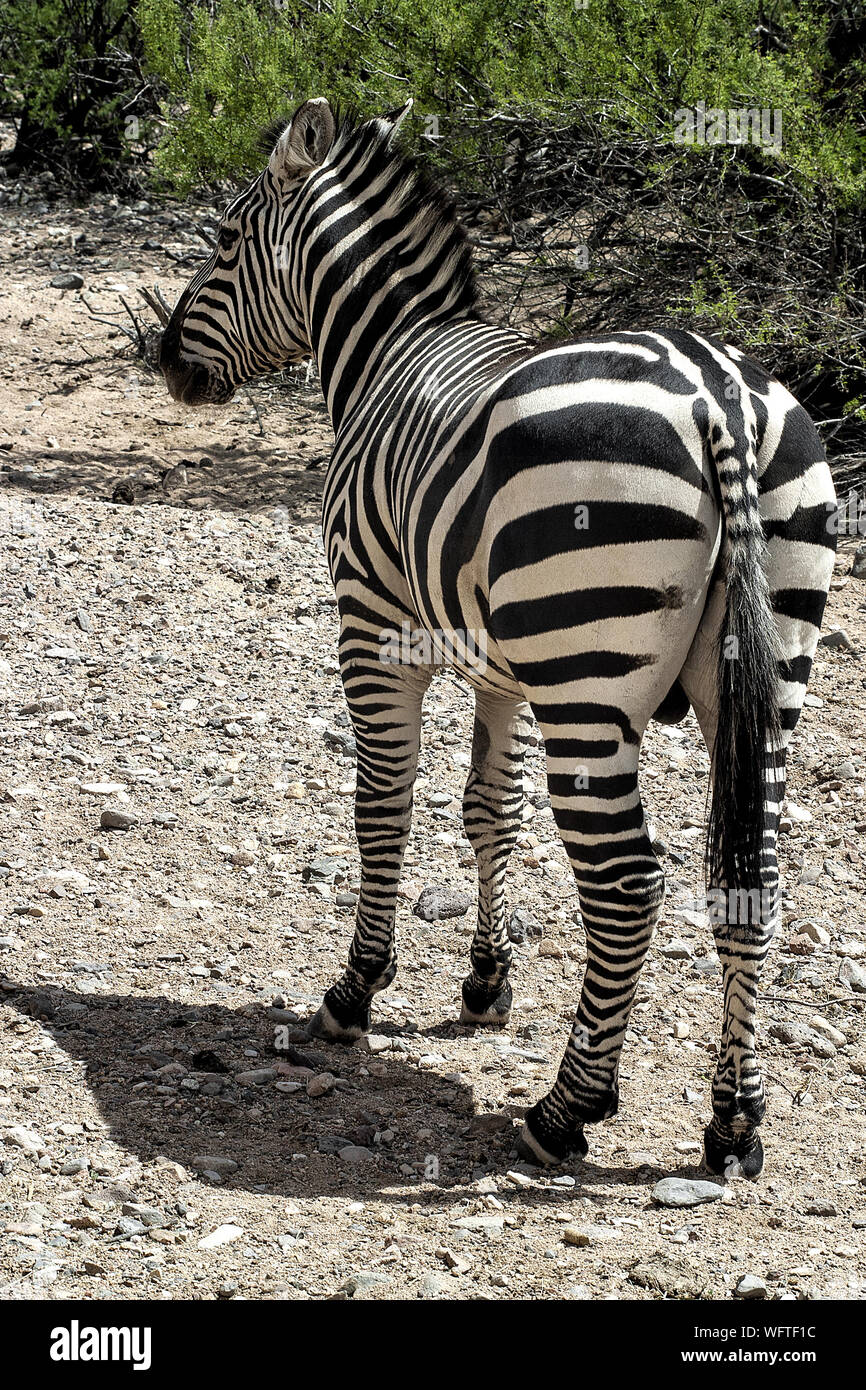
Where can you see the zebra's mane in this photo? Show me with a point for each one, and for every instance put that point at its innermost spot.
(424, 203)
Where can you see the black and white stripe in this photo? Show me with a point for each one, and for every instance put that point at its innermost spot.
(634, 522)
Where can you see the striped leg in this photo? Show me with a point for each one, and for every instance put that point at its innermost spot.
(799, 563)
(601, 821)
(492, 807)
(385, 706)
(743, 929)
(743, 921)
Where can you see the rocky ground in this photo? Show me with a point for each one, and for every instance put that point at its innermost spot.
(167, 664)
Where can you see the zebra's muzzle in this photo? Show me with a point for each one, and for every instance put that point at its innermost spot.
(192, 384)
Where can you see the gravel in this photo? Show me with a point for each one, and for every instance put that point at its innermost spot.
(153, 975)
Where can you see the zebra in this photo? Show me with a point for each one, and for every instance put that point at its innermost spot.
(638, 522)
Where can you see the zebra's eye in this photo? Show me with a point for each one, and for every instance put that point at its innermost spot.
(227, 238)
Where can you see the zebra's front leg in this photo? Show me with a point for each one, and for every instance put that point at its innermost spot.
(385, 706)
(492, 811)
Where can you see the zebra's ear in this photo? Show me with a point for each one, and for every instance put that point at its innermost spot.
(306, 141)
(393, 120)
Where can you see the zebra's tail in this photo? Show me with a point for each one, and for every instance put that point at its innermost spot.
(747, 734)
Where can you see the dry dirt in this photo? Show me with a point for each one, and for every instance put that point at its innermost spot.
(174, 658)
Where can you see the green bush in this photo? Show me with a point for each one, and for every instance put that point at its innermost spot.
(229, 67)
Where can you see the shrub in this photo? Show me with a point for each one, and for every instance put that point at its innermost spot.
(70, 79)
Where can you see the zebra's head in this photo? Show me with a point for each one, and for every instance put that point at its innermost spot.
(243, 314)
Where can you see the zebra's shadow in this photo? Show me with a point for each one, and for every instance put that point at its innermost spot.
(162, 1077)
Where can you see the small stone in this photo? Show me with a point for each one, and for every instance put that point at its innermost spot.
(480, 1223)
(686, 1192)
(483, 1125)
(573, 1235)
(259, 1076)
(129, 1226)
(677, 950)
(838, 639)
(853, 975)
(214, 1163)
(73, 1166)
(522, 925)
(437, 902)
(365, 1281)
(357, 1153)
(223, 1235)
(858, 569)
(433, 1286)
(114, 819)
(324, 871)
(801, 945)
(799, 1035)
(750, 1286)
(26, 1139)
(550, 950)
(321, 1085)
(455, 1263)
(148, 1216)
(821, 1209)
(815, 932)
(68, 281)
(826, 1029)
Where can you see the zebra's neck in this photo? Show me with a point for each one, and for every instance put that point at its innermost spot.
(387, 266)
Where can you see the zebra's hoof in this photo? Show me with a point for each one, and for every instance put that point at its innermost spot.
(734, 1156)
(324, 1025)
(480, 1009)
(552, 1149)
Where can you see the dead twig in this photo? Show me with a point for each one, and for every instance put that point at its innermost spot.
(135, 337)
(256, 412)
(155, 300)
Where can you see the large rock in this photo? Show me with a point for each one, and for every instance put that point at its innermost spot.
(437, 901)
(686, 1192)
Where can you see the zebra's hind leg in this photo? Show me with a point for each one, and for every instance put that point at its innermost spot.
(385, 706)
(492, 807)
(799, 564)
(596, 802)
(743, 921)
(732, 1144)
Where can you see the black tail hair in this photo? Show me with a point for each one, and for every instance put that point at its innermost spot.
(747, 735)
